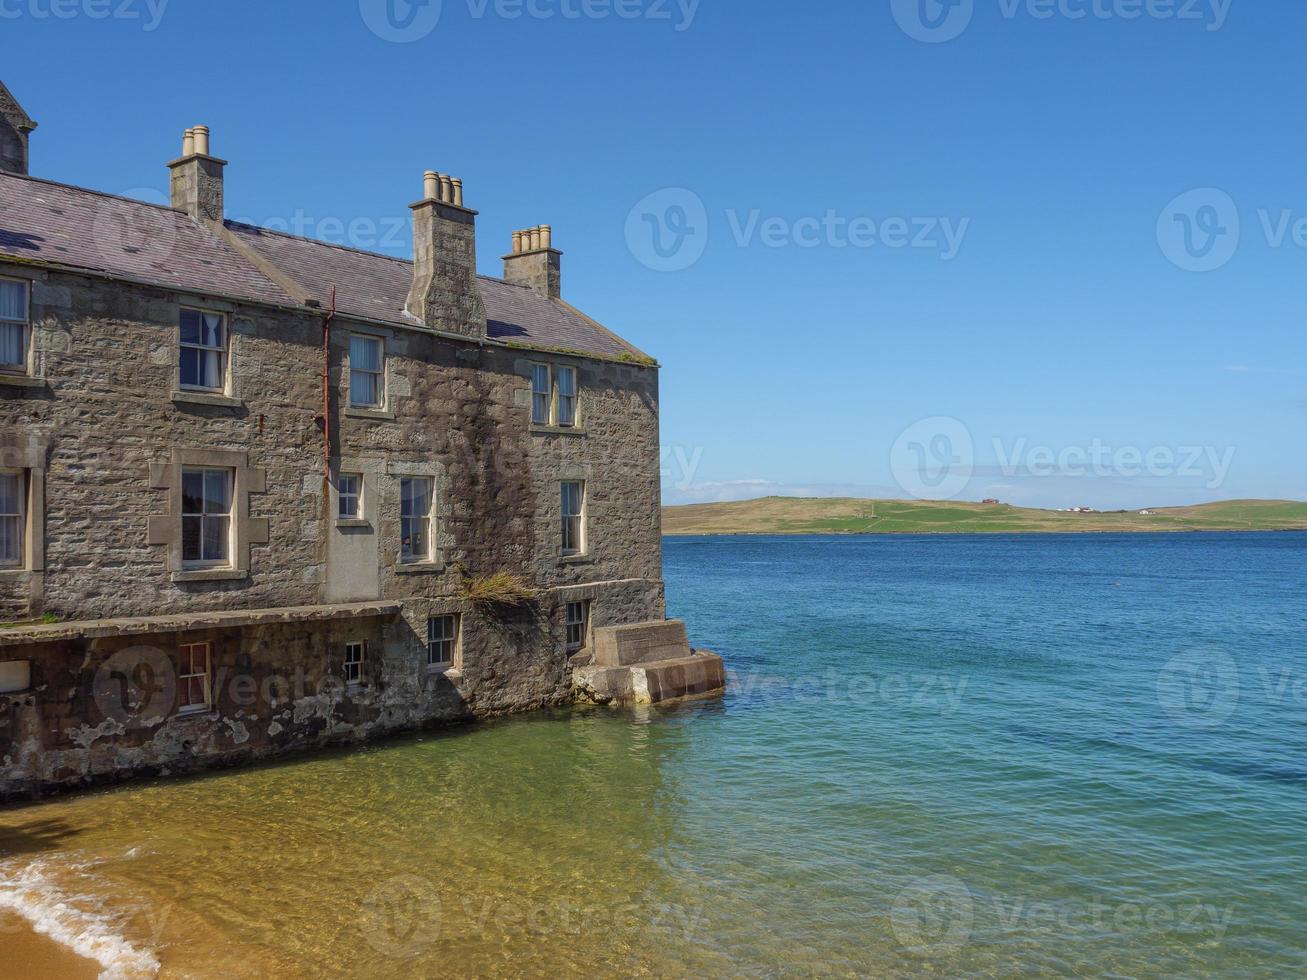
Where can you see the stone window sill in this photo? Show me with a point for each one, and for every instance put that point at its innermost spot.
(372, 414)
(576, 560)
(21, 381)
(452, 673)
(419, 567)
(211, 398)
(9, 574)
(557, 430)
(349, 522)
(205, 713)
(210, 575)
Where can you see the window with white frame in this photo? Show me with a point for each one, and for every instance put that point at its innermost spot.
(356, 655)
(542, 395)
(578, 621)
(14, 326)
(203, 351)
(415, 508)
(573, 518)
(367, 371)
(13, 517)
(194, 690)
(442, 641)
(349, 490)
(206, 517)
(567, 396)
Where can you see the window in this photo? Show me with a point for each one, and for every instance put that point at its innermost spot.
(193, 689)
(415, 519)
(206, 517)
(349, 487)
(442, 640)
(578, 618)
(573, 518)
(366, 372)
(355, 657)
(13, 326)
(13, 519)
(203, 351)
(567, 396)
(541, 394)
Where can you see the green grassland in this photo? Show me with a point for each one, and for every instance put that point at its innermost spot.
(806, 515)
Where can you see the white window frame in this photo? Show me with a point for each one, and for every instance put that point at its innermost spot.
(379, 374)
(224, 351)
(567, 528)
(21, 560)
(356, 658)
(203, 563)
(186, 673)
(414, 558)
(342, 496)
(25, 328)
(547, 394)
(453, 641)
(571, 622)
(560, 399)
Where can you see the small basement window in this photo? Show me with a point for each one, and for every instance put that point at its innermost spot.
(194, 691)
(15, 676)
(578, 621)
(442, 641)
(356, 655)
(349, 487)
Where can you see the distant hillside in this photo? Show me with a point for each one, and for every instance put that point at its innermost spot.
(805, 515)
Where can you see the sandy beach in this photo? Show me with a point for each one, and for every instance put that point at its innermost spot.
(32, 956)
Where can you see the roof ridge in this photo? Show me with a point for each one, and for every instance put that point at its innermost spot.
(92, 190)
(315, 241)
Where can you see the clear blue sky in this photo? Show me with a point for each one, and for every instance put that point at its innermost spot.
(795, 361)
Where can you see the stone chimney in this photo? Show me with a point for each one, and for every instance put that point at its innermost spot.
(197, 178)
(445, 294)
(15, 125)
(534, 262)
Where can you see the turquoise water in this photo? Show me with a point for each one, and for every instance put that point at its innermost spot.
(958, 756)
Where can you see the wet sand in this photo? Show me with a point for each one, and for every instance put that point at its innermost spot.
(30, 956)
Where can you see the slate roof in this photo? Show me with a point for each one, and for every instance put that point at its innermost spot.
(45, 222)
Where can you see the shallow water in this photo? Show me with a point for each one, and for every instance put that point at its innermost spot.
(966, 756)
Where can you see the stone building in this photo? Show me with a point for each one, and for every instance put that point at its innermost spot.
(247, 479)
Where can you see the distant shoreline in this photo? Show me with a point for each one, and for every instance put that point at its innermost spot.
(843, 516)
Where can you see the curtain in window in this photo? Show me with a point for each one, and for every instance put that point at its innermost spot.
(364, 371)
(11, 520)
(12, 349)
(572, 500)
(415, 519)
(206, 515)
(540, 394)
(13, 301)
(567, 396)
(203, 349)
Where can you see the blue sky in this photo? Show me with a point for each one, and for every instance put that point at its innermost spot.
(871, 259)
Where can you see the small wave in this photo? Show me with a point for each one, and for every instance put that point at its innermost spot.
(30, 892)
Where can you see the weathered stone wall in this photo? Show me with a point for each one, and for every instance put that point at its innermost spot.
(13, 148)
(104, 411)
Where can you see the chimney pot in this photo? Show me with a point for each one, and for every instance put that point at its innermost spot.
(446, 189)
(546, 236)
(458, 190)
(188, 143)
(202, 140)
(535, 238)
(431, 186)
(517, 242)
